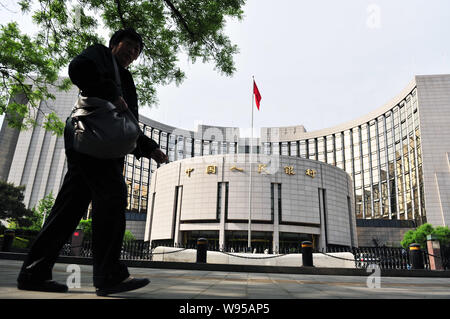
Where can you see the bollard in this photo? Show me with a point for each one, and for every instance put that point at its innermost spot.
(434, 252)
(202, 248)
(8, 238)
(307, 256)
(415, 256)
(77, 242)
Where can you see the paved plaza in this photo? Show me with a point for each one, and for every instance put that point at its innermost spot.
(206, 284)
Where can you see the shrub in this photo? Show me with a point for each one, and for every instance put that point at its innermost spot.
(20, 243)
(86, 226)
(128, 236)
(419, 235)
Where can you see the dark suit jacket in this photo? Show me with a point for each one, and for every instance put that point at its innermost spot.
(92, 72)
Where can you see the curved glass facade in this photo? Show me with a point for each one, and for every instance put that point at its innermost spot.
(382, 155)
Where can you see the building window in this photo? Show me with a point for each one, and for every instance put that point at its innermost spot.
(279, 203)
(197, 147)
(275, 201)
(219, 201)
(221, 186)
(284, 149)
(293, 148)
(312, 149)
(330, 150)
(276, 148)
(321, 149)
(303, 149)
(266, 147)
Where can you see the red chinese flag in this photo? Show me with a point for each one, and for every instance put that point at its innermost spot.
(257, 94)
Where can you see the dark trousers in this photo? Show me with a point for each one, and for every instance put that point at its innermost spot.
(87, 179)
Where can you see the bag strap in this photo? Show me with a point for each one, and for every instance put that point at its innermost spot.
(119, 86)
(116, 73)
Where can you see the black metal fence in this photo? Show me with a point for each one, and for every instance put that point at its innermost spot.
(383, 257)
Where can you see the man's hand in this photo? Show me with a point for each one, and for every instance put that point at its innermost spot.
(121, 105)
(159, 156)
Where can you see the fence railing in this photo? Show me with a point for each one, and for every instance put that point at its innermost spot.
(384, 257)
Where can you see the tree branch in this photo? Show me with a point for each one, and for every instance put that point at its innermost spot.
(180, 18)
(119, 11)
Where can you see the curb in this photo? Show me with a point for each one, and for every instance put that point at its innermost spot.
(247, 268)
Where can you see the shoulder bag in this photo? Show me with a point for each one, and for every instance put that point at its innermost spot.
(99, 130)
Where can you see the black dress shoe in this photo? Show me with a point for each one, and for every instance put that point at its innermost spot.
(45, 286)
(127, 285)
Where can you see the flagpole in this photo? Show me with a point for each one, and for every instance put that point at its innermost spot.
(249, 244)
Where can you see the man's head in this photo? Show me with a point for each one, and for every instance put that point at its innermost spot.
(126, 45)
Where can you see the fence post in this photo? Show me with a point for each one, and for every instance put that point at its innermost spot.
(415, 256)
(8, 238)
(202, 248)
(307, 257)
(434, 253)
(76, 242)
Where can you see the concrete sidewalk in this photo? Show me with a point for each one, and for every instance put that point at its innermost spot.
(207, 284)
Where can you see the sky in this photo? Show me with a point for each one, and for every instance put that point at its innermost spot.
(316, 63)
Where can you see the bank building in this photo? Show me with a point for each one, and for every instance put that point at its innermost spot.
(362, 183)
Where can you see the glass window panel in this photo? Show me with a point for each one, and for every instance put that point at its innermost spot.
(266, 148)
(373, 129)
(388, 117)
(357, 165)
(206, 148)
(395, 114)
(347, 139)
(276, 148)
(381, 141)
(148, 131)
(376, 209)
(375, 176)
(366, 163)
(320, 145)
(303, 149)
(404, 129)
(397, 133)
(311, 149)
(293, 148)
(197, 147)
(380, 124)
(373, 145)
(284, 148)
(368, 201)
(232, 148)
(330, 143)
(356, 146)
(338, 141)
(330, 158)
(321, 157)
(365, 148)
(358, 180)
(155, 135)
(364, 132)
(214, 148)
(349, 167)
(416, 119)
(374, 163)
(321, 149)
(383, 157)
(339, 156)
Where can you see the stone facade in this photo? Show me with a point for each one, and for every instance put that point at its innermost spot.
(213, 193)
